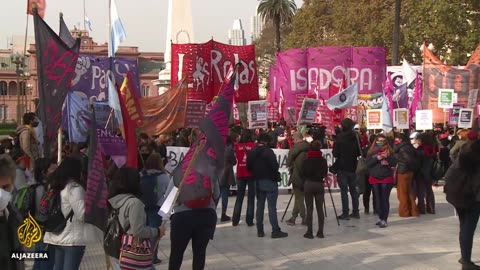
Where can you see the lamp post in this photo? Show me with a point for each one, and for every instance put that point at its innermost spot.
(19, 61)
(24, 76)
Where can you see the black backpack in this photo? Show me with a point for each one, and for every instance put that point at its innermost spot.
(50, 216)
(112, 239)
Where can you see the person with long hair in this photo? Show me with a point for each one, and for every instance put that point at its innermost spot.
(427, 154)
(467, 162)
(69, 245)
(123, 195)
(380, 160)
(153, 182)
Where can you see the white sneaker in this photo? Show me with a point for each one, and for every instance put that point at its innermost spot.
(383, 224)
(378, 222)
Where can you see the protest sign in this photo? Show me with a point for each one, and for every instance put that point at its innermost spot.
(374, 119)
(465, 119)
(424, 120)
(445, 98)
(195, 113)
(401, 117)
(308, 111)
(257, 114)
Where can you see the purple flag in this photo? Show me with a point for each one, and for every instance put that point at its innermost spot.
(92, 73)
(417, 97)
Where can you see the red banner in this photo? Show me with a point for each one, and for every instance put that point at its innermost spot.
(206, 66)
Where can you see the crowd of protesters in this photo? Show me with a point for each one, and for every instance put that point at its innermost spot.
(365, 162)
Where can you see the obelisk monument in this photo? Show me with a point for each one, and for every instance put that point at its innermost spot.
(179, 30)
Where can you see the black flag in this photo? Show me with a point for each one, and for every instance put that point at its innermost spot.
(56, 63)
(65, 34)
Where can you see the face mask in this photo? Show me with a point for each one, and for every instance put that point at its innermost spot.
(309, 139)
(397, 141)
(5, 197)
(35, 124)
(380, 144)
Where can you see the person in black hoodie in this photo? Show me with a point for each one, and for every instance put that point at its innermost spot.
(426, 153)
(407, 164)
(346, 153)
(314, 171)
(262, 163)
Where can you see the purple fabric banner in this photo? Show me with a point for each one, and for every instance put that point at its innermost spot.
(112, 145)
(90, 78)
(303, 69)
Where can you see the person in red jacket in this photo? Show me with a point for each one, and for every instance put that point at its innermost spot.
(244, 179)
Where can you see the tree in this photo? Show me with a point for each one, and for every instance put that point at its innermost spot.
(451, 26)
(279, 12)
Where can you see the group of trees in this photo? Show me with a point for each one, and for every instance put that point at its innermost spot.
(453, 26)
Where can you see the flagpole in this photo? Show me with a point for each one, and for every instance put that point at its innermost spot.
(84, 16)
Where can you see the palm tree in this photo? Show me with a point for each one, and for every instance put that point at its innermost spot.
(280, 12)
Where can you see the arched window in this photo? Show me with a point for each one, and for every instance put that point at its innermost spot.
(3, 88)
(12, 88)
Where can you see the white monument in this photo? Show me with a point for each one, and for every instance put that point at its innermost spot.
(179, 30)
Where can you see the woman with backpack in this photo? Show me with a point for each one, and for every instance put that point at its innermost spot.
(128, 216)
(66, 193)
(153, 182)
(463, 192)
(380, 160)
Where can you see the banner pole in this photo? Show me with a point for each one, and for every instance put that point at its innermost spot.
(59, 150)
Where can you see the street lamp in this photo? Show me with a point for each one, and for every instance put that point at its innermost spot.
(19, 61)
(24, 76)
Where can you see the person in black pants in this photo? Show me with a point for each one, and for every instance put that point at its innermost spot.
(197, 225)
(314, 171)
(468, 162)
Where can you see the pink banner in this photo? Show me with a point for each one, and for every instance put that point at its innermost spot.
(304, 69)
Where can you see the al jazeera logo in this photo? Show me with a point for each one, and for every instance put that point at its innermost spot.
(28, 234)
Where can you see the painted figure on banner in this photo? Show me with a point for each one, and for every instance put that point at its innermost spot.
(200, 73)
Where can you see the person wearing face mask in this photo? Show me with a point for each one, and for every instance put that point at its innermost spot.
(407, 165)
(380, 160)
(28, 138)
(10, 219)
(144, 152)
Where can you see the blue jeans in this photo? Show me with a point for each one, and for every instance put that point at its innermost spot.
(267, 190)
(154, 221)
(68, 257)
(44, 264)
(237, 211)
(347, 181)
(468, 223)
(224, 192)
(382, 199)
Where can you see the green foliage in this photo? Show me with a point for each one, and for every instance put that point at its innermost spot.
(279, 12)
(451, 26)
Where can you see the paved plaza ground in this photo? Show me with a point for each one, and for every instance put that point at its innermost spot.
(428, 242)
